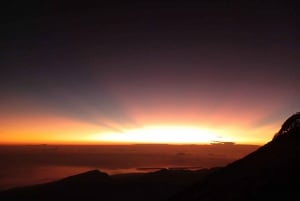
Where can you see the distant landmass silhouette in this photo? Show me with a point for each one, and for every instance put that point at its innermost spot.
(269, 173)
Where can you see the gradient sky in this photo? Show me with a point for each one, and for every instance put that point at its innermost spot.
(73, 73)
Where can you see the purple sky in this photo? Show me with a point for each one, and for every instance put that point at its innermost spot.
(121, 62)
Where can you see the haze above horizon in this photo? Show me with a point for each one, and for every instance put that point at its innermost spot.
(175, 73)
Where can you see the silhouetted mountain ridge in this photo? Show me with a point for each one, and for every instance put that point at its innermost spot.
(87, 177)
(269, 173)
(96, 185)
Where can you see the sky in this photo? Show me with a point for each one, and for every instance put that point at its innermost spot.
(144, 72)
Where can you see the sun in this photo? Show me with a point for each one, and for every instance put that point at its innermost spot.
(160, 134)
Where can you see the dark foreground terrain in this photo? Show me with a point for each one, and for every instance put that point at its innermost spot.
(269, 173)
(96, 185)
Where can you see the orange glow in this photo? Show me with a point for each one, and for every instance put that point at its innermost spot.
(45, 129)
(57, 130)
(161, 134)
(153, 125)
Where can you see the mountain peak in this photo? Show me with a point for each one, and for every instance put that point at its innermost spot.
(87, 177)
(290, 126)
(269, 173)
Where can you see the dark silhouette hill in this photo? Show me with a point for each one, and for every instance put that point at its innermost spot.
(85, 184)
(95, 185)
(269, 173)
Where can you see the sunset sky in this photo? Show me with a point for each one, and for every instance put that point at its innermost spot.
(148, 72)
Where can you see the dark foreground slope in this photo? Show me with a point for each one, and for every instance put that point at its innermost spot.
(270, 173)
(95, 185)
